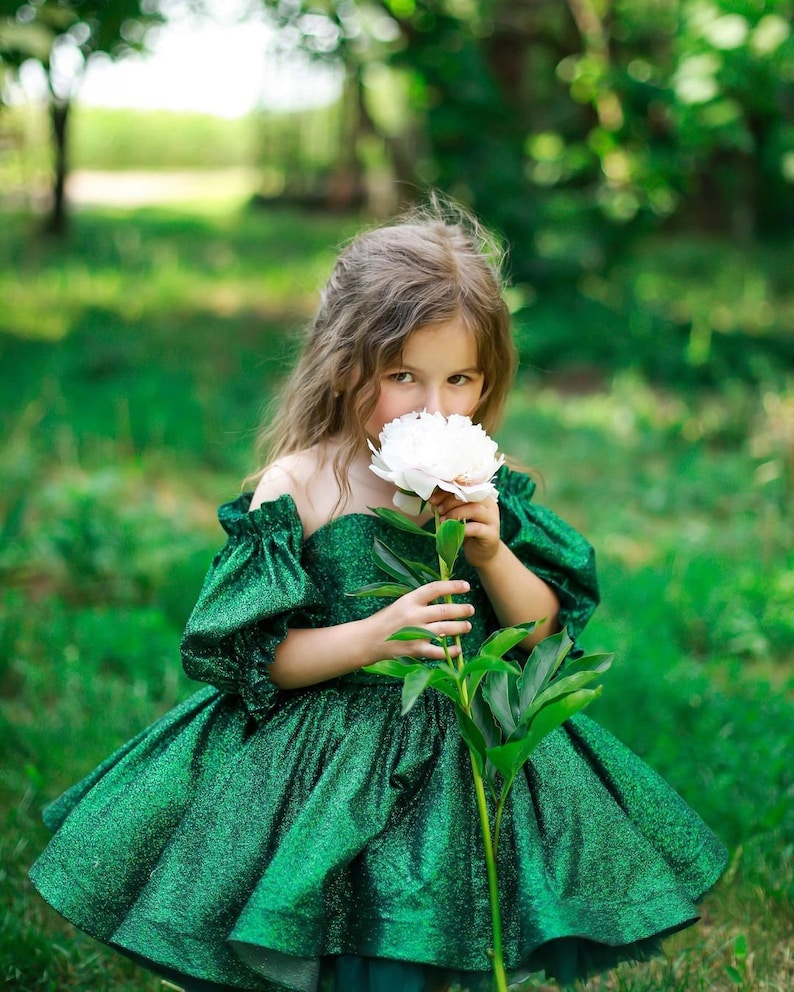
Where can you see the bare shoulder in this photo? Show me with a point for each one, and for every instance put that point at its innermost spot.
(285, 476)
(301, 475)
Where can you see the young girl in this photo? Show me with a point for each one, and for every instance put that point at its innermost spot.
(286, 827)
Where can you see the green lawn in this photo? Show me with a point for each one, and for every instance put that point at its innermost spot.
(133, 368)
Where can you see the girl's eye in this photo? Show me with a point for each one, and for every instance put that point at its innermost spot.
(400, 377)
(458, 380)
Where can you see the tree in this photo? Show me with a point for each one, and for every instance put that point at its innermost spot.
(62, 36)
(571, 126)
(464, 69)
(339, 33)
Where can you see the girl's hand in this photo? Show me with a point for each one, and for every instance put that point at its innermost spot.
(482, 538)
(419, 608)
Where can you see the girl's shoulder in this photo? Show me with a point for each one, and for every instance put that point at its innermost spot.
(280, 478)
(307, 477)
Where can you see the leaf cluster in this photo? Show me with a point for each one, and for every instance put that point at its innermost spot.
(504, 709)
(516, 710)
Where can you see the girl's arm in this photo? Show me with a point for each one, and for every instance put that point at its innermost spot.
(516, 594)
(515, 591)
(311, 655)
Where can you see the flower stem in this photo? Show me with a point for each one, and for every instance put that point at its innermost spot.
(497, 963)
(460, 662)
(500, 808)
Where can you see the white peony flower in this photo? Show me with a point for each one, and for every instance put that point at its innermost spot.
(422, 452)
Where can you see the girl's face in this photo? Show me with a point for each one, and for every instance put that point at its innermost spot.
(439, 370)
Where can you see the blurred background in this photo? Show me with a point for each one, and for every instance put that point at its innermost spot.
(176, 177)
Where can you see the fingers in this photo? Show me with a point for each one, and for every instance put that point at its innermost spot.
(421, 608)
(437, 590)
(450, 629)
(446, 620)
(482, 533)
(429, 649)
(443, 618)
(450, 508)
(445, 503)
(439, 613)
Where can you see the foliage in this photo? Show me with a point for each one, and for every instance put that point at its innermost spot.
(682, 310)
(38, 30)
(503, 709)
(62, 35)
(108, 139)
(132, 369)
(593, 120)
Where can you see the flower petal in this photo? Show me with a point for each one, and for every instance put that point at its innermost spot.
(412, 505)
(421, 452)
(419, 482)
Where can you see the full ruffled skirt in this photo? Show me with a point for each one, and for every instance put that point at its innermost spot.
(336, 837)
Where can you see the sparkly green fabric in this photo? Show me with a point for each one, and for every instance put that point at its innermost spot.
(262, 839)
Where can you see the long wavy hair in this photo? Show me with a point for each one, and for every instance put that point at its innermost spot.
(431, 265)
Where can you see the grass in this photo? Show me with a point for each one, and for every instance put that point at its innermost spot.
(133, 364)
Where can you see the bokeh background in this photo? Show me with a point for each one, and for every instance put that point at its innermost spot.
(166, 220)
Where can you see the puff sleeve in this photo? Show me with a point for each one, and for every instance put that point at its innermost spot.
(254, 591)
(552, 549)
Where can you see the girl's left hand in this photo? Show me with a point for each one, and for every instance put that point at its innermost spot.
(482, 525)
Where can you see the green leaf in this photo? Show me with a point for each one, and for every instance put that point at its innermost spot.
(590, 662)
(414, 685)
(449, 539)
(492, 735)
(496, 693)
(482, 716)
(473, 738)
(478, 667)
(443, 682)
(393, 565)
(422, 571)
(413, 634)
(558, 688)
(392, 666)
(556, 713)
(400, 521)
(501, 641)
(381, 589)
(546, 658)
(473, 684)
(490, 663)
(508, 758)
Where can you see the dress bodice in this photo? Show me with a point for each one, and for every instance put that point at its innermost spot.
(253, 836)
(267, 579)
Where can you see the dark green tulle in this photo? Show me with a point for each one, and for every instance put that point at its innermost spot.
(259, 839)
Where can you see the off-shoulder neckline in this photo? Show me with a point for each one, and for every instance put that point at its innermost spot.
(288, 501)
(508, 478)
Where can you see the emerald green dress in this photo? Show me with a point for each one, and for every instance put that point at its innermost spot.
(262, 839)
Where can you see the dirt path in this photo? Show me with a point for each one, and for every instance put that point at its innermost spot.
(137, 189)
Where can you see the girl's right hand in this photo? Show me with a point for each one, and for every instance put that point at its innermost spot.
(419, 608)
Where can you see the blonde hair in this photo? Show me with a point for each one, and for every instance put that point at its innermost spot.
(430, 266)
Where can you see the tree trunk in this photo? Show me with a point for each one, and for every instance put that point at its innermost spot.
(57, 222)
(346, 185)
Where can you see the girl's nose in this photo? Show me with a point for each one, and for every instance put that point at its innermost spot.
(433, 402)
